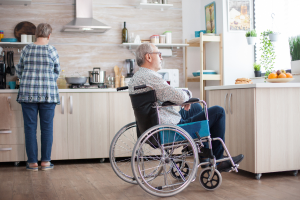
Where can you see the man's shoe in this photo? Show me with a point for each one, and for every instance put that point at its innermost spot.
(225, 166)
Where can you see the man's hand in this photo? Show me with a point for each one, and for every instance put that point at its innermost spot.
(187, 107)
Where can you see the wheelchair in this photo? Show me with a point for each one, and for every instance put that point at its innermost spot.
(164, 159)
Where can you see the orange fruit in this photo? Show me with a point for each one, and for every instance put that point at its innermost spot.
(289, 75)
(272, 76)
(282, 75)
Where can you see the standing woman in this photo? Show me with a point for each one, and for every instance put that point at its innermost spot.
(38, 70)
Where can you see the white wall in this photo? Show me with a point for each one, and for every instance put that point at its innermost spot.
(238, 57)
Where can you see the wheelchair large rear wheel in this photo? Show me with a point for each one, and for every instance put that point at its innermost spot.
(121, 150)
(150, 154)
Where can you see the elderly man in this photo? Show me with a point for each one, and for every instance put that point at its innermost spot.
(149, 59)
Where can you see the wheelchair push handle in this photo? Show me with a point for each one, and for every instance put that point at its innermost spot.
(140, 87)
(122, 88)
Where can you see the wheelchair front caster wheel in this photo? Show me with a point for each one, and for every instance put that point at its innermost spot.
(295, 172)
(214, 183)
(16, 164)
(185, 170)
(102, 160)
(258, 176)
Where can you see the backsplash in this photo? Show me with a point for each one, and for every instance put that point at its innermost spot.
(80, 52)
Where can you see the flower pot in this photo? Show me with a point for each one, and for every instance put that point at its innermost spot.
(295, 66)
(274, 37)
(257, 73)
(251, 40)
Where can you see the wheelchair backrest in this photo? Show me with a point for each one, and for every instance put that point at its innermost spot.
(146, 116)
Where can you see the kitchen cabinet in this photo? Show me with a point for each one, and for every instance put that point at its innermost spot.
(88, 125)
(121, 114)
(261, 123)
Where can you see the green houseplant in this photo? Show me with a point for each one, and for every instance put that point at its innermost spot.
(268, 53)
(294, 43)
(251, 37)
(257, 71)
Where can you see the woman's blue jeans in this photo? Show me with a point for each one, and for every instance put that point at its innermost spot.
(30, 113)
(216, 116)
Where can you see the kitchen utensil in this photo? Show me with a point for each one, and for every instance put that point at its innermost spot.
(2, 75)
(12, 68)
(116, 69)
(100, 76)
(280, 80)
(18, 83)
(76, 80)
(129, 63)
(8, 58)
(24, 27)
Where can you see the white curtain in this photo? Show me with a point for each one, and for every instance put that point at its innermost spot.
(285, 22)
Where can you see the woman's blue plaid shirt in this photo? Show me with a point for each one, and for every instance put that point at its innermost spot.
(38, 70)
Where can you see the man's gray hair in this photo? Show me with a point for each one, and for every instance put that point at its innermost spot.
(142, 50)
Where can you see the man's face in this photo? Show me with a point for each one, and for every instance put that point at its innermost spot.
(156, 59)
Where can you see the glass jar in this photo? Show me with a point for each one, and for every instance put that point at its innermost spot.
(154, 39)
(162, 39)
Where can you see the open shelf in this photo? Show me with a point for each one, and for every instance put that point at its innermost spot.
(13, 44)
(154, 6)
(135, 45)
(205, 77)
(206, 38)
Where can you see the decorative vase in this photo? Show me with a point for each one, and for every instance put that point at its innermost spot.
(257, 73)
(251, 40)
(295, 66)
(274, 37)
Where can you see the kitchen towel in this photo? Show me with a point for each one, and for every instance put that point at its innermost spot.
(5, 113)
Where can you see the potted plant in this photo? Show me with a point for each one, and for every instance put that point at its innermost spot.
(294, 43)
(257, 71)
(251, 37)
(268, 53)
(274, 36)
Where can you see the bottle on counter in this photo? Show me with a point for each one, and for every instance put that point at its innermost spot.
(1, 35)
(61, 81)
(124, 34)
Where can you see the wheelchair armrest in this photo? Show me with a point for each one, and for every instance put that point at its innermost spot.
(168, 103)
(122, 88)
(192, 100)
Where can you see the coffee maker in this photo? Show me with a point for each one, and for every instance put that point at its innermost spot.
(2, 73)
(129, 63)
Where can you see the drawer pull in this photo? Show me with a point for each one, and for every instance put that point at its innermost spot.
(5, 132)
(225, 102)
(71, 105)
(5, 149)
(8, 100)
(62, 105)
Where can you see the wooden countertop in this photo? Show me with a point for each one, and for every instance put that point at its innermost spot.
(257, 85)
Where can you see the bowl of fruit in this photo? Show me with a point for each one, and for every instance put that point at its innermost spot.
(280, 76)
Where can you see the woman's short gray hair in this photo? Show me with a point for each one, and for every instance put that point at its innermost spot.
(142, 50)
(43, 30)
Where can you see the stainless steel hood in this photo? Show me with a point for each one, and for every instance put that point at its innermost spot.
(84, 21)
(15, 2)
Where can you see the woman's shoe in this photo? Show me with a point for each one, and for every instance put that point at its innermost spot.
(48, 167)
(31, 168)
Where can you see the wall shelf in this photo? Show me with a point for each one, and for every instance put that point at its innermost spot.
(135, 45)
(200, 42)
(154, 6)
(13, 44)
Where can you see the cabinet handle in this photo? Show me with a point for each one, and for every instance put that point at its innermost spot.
(62, 105)
(8, 100)
(71, 105)
(229, 103)
(225, 102)
(5, 149)
(5, 132)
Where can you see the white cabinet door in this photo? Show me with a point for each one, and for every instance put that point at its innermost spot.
(88, 125)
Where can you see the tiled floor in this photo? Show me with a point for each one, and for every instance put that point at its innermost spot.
(73, 180)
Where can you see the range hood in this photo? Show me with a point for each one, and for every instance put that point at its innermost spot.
(15, 2)
(84, 21)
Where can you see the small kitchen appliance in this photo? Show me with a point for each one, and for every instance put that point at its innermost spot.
(97, 77)
(129, 63)
(2, 73)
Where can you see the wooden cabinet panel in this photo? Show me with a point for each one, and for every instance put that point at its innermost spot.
(12, 153)
(88, 126)
(16, 136)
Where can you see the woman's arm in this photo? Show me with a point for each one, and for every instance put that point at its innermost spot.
(20, 65)
(55, 58)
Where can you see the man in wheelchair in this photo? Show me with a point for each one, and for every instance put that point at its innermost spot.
(149, 60)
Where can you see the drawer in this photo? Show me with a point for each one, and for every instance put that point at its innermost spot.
(16, 120)
(12, 153)
(14, 105)
(16, 136)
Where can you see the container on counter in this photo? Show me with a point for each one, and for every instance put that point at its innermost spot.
(162, 39)
(154, 39)
(164, 2)
(1, 34)
(168, 37)
(61, 80)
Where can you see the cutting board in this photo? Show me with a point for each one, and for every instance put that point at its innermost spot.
(24, 28)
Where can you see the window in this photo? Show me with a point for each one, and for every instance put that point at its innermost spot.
(285, 22)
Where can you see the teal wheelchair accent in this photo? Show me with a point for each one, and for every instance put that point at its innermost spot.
(202, 127)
